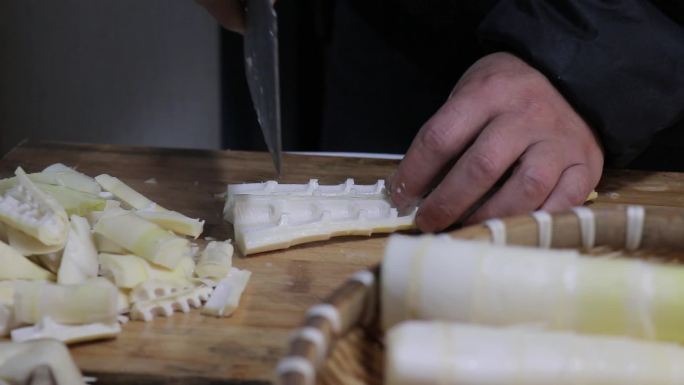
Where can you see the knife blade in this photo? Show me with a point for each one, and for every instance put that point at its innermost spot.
(261, 68)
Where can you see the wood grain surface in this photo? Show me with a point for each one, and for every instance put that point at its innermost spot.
(195, 349)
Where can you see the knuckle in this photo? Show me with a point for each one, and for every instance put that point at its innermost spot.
(535, 183)
(481, 166)
(435, 138)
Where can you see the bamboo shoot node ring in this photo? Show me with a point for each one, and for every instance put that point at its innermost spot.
(298, 365)
(315, 337)
(635, 227)
(587, 224)
(498, 229)
(545, 226)
(328, 312)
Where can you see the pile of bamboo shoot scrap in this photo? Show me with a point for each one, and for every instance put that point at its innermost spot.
(81, 255)
(465, 312)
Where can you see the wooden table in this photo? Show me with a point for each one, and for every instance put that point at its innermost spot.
(194, 349)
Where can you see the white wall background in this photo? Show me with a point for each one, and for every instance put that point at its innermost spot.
(109, 71)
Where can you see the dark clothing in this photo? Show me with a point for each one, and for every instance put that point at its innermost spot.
(388, 66)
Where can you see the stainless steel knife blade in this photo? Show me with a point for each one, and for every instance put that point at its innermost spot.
(261, 67)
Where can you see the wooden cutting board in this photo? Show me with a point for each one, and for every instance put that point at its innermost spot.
(195, 349)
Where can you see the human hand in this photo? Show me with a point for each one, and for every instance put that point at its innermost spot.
(501, 113)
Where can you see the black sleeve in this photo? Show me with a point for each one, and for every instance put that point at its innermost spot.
(620, 63)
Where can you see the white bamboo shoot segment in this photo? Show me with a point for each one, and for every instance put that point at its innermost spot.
(79, 259)
(69, 334)
(347, 189)
(74, 202)
(128, 271)
(165, 306)
(28, 245)
(174, 221)
(265, 223)
(19, 360)
(104, 245)
(427, 353)
(91, 302)
(226, 296)
(125, 193)
(439, 278)
(15, 266)
(143, 238)
(28, 209)
(123, 303)
(215, 261)
(58, 175)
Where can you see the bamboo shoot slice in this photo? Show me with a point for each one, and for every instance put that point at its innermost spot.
(442, 278)
(348, 189)
(125, 193)
(91, 302)
(265, 223)
(215, 261)
(79, 259)
(28, 245)
(18, 362)
(226, 296)
(128, 271)
(28, 209)
(16, 266)
(143, 238)
(174, 221)
(74, 202)
(426, 353)
(165, 306)
(69, 334)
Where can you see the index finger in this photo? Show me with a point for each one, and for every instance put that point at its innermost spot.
(441, 139)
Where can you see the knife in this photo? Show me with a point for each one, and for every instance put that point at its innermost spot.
(261, 68)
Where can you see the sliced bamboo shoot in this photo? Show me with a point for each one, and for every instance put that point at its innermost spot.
(28, 209)
(348, 189)
(165, 306)
(143, 238)
(128, 271)
(174, 221)
(442, 278)
(79, 259)
(7, 322)
(19, 361)
(265, 223)
(125, 193)
(69, 334)
(215, 261)
(16, 266)
(91, 302)
(28, 245)
(74, 202)
(226, 296)
(426, 353)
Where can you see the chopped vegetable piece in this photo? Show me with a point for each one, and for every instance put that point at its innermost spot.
(15, 266)
(74, 202)
(28, 209)
(215, 260)
(126, 193)
(79, 259)
(226, 296)
(90, 302)
(20, 363)
(174, 221)
(143, 238)
(69, 334)
(127, 271)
